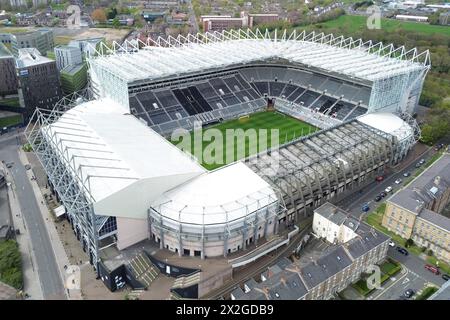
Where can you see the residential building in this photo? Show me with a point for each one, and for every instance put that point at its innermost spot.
(411, 18)
(219, 23)
(261, 18)
(224, 22)
(41, 39)
(73, 78)
(39, 85)
(415, 211)
(354, 247)
(153, 15)
(18, 3)
(67, 56)
(8, 77)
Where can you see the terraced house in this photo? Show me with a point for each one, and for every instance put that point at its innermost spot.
(352, 247)
(416, 211)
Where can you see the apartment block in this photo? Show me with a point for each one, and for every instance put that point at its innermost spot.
(416, 211)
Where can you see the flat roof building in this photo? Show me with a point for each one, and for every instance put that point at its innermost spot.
(8, 77)
(67, 56)
(39, 85)
(41, 39)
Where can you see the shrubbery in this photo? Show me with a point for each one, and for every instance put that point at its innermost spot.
(11, 264)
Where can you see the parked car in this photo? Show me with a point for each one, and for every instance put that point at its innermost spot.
(418, 164)
(391, 243)
(388, 189)
(402, 251)
(379, 178)
(378, 198)
(365, 208)
(439, 146)
(432, 269)
(446, 277)
(398, 181)
(383, 194)
(27, 167)
(406, 174)
(422, 161)
(409, 293)
(9, 164)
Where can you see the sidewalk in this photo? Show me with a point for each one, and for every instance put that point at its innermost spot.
(32, 284)
(58, 248)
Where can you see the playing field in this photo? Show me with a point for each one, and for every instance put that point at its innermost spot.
(259, 131)
(355, 23)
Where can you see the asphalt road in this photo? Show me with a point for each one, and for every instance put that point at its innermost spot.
(51, 283)
(354, 202)
(399, 284)
(192, 18)
(416, 265)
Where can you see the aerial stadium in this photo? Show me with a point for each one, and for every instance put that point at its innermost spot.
(345, 106)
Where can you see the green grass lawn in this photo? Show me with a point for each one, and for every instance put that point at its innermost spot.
(62, 40)
(426, 293)
(355, 23)
(15, 29)
(10, 121)
(288, 129)
(12, 102)
(390, 267)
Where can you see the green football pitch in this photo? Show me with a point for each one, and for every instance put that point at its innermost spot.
(215, 148)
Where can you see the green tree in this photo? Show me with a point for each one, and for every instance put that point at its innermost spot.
(116, 23)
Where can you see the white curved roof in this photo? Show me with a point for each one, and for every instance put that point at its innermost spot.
(389, 123)
(215, 197)
(169, 57)
(110, 150)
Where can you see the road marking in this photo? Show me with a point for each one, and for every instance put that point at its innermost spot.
(405, 281)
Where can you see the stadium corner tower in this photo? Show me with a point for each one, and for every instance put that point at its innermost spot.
(121, 181)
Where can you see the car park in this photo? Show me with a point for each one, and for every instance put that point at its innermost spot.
(432, 269)
(388, 189)
(402, 251)
(409, 293)
(398, 181)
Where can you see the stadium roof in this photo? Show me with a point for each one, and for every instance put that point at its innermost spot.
(109, 149)
(220, 196)
(123, 166)
(389, 123)
(165, 57)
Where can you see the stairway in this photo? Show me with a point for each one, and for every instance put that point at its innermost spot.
(143, 269)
